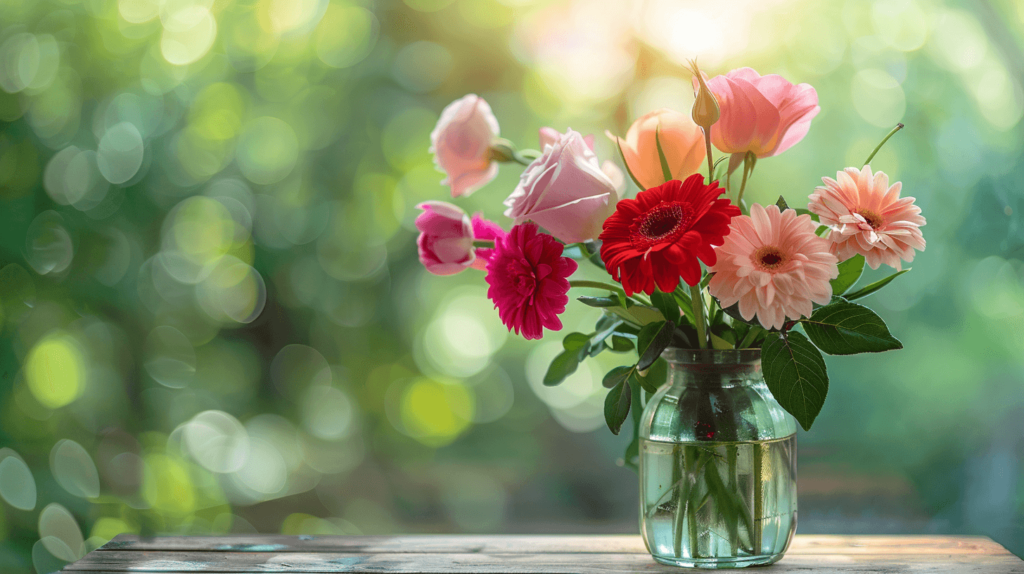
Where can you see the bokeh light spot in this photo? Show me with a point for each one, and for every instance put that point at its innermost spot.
(120, 153)
(298, 367)
(17, 486)
(169, 357)
(267, 150)
(167, 485)
(56, 524)
(435, 412)
(878, 97)
(422, 66)
(188, 35)
(55, 370)
(217, 441)
(48, 245)
(346, 35)
(74, 469)
(328, 413)
(233, 292)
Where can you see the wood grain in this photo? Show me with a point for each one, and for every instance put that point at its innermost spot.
(519, 554)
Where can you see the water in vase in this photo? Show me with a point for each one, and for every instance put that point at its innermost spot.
(718, 504)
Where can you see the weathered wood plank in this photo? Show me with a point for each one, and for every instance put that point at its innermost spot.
(530, 544)
(482, 563)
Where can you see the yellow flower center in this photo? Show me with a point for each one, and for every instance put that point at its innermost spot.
(873, 219)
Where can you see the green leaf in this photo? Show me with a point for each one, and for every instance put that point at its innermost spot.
(575, 341)
(665, 171)
(618, 145)
(617, 375)
(795, 374)
(686, 306)
(653, 339)
(802, 211)
(720, 343)
(621, 344)
(638, 314)
(654, 378)
(849, 272)
(599, 301)
(865, 291)
(844, 328)
(783, 206)
(666, 303)
(561, 367)
(616, 406)
(632, 454)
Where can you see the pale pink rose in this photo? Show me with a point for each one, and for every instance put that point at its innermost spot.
(461, 144)
(550, 136)
(774, 266)
(446, 238)
(762, 114)
(564, 191)
(867, 216)
(682, 141)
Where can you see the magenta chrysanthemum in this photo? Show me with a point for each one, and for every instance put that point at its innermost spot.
(528, 280)
(774, 266)
(867, 216)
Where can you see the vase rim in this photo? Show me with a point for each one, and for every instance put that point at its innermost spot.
(678, 355)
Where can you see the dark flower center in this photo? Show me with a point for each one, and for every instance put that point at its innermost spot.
(873, 219)
(768, 258)
(665, 220)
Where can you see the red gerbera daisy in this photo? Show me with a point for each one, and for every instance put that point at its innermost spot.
(528, 280)
(658, 237)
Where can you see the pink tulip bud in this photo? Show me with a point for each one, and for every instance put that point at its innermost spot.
(446, 238)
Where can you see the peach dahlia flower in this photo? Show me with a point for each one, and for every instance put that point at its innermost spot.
(774, 266)
(866, 215)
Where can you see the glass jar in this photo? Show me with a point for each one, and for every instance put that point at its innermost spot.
(717, 464)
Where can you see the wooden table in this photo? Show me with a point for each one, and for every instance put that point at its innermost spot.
(519, 554)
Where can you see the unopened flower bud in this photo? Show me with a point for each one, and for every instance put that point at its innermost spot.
(705, 107)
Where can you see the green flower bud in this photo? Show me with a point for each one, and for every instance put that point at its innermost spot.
(705, 107)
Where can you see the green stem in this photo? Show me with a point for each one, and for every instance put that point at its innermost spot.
(731, 452)
(882, 143)
(518, 158)
(594, 285)
(585, 284)
(743, 184)
(483, 243)
(678, 479)
(711, 162)
(749, 338)
(758, 498)
(698, 313)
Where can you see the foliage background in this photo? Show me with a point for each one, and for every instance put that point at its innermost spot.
(213, 319)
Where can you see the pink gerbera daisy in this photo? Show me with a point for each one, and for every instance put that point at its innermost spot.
(867, 216)
(774, 266)
(528, 280)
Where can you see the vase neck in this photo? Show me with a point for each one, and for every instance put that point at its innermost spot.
(714, 368)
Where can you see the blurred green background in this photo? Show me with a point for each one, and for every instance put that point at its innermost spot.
(214, 320)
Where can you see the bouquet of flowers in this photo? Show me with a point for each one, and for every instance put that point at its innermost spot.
(687, 262)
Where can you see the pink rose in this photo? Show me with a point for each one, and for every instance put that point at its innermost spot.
(762, 114)
(564, 191)
(461, 144)
(550, 136)
(446, 238)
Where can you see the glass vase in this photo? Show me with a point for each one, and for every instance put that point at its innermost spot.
(717, 464)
